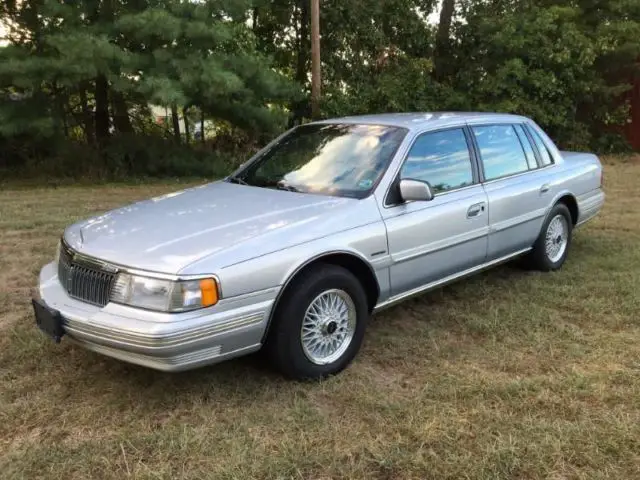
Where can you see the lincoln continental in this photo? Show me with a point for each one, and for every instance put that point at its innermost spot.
(329, 223)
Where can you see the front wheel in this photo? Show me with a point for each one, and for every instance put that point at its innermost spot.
(319, 323)
(552, 246)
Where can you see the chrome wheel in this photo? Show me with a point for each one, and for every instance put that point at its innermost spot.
(328, 326)
(556, 238)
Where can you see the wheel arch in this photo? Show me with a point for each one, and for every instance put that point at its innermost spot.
(351, 261)
(572, 204)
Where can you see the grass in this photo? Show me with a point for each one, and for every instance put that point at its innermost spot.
(509, 374)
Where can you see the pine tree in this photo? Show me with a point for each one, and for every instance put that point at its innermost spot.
(88, 63)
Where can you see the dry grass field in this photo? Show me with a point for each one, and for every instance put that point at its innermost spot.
(510, 374)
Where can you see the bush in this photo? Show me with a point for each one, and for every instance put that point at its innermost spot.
(125, 157)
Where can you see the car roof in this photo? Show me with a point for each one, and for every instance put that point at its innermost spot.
(422, 120)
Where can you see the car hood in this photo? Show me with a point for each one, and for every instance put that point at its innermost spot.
(233, 222)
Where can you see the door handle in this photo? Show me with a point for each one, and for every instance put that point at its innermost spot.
(475, 210)
(545, 188)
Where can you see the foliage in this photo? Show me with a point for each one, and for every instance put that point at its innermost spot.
(83, 74)
(554, 62)
(120, 54)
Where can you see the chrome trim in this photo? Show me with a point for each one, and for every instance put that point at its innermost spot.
(519, 174)
(443, 245)
(108, 334)
(519, 220)
(443, 281)
(88, 281)
(174, 363)
(86, 260)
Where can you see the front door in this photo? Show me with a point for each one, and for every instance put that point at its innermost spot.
(431, 240)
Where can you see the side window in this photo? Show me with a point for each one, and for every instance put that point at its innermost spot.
(545, 155)
(528, 149)
(500, 151)
(440, 158)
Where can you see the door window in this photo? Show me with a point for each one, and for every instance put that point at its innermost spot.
(500, 151)
(440, 158)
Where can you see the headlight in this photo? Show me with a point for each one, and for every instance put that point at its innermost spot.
(164, 295)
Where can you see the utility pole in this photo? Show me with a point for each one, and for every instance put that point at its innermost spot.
(315, 59)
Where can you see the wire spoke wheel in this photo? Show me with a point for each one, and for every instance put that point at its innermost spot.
(556, 238)
(328, 326)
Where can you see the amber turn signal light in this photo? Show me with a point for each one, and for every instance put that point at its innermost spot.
(209, 292)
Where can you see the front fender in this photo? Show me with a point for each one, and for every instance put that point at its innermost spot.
(367, 242)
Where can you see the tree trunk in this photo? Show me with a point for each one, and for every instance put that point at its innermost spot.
(315, 58)
(254, 19)
(102, 109)
(301, 108)
(442, 48)
(187, 134)
(65, 125)
(202, 126)
(175, 121)
(60, 101)
(303, 44)
(87, 117)
(121, 119)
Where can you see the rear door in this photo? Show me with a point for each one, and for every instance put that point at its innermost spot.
(433, 239)
(516, 183)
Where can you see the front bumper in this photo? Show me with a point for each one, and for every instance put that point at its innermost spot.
(162, 341)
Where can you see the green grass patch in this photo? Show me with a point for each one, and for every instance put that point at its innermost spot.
(509, 374)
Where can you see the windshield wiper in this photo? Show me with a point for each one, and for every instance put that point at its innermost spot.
(236, 179)
(281, 185)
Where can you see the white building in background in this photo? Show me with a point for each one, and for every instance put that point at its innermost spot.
(162, 116)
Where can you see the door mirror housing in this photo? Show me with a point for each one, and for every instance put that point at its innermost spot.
(415, 190)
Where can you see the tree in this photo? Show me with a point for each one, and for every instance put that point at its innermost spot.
(555, 62)
(113, 54)
(443, 43)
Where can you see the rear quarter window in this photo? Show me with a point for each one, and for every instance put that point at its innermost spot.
(545, 154)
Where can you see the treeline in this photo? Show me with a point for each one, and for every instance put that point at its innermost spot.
(82, 81)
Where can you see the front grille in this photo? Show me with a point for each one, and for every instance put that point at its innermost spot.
(83, 280)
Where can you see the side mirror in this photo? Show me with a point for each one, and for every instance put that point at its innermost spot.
(415, 190)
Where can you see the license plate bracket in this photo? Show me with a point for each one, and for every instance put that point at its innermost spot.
(48, 320)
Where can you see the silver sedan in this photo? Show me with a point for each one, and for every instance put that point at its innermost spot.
(330, 222)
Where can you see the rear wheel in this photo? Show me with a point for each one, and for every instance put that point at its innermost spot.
(552, 246)
(319, 323)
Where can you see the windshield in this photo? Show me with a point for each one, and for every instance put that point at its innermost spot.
(330, 159)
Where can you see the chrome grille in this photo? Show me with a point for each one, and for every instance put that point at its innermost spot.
(83, 280)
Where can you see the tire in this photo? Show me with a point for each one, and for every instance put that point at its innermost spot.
(302, 359)
(549, 254)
